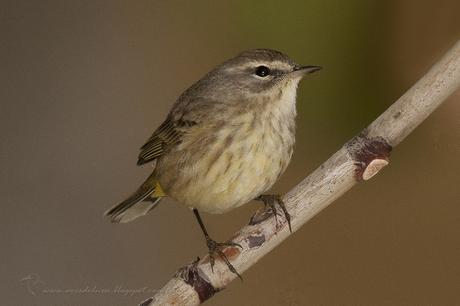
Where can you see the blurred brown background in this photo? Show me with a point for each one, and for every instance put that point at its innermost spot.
(84, 83)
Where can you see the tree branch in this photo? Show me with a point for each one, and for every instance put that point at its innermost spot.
(359, 159)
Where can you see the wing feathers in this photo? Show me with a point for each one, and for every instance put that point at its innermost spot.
(166, 134)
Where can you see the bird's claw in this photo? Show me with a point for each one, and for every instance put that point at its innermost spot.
(272, 201)
(216, 248)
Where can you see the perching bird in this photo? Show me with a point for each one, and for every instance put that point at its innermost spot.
(227, 140)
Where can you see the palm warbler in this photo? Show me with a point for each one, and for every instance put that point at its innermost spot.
(226, 141)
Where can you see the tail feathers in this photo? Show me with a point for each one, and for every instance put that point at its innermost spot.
(128, 213)
(137, 205)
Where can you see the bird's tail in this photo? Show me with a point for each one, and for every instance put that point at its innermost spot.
(146, 198)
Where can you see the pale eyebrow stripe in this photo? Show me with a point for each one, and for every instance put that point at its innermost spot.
(273, 65)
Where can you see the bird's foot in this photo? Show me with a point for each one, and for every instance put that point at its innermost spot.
(270, 202)
(216, 249)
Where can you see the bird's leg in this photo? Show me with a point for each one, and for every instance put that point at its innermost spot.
(271, 200)
(215, 248)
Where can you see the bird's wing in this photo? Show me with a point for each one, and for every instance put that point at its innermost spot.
(187, 114)
(167, 134)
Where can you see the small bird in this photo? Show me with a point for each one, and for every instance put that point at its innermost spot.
(226, 141)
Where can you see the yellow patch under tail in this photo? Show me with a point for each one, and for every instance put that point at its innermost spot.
(158, 192)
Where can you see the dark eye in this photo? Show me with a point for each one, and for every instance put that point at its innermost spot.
(263, 71)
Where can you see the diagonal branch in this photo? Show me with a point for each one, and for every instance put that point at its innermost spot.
(359, 159)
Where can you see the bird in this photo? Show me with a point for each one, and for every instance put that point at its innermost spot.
(226, 140)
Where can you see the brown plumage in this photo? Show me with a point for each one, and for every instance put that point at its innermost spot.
(226, 140)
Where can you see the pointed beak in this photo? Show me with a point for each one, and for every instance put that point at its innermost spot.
(307, 69)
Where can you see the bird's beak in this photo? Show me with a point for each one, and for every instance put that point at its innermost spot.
(306, 69)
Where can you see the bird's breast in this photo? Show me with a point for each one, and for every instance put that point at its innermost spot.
(221, 167)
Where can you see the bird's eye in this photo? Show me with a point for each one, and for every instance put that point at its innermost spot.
(262, 71)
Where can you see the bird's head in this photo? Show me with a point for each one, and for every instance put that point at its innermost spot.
(256, 72)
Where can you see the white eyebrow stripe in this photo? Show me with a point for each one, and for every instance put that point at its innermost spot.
(275, 65)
